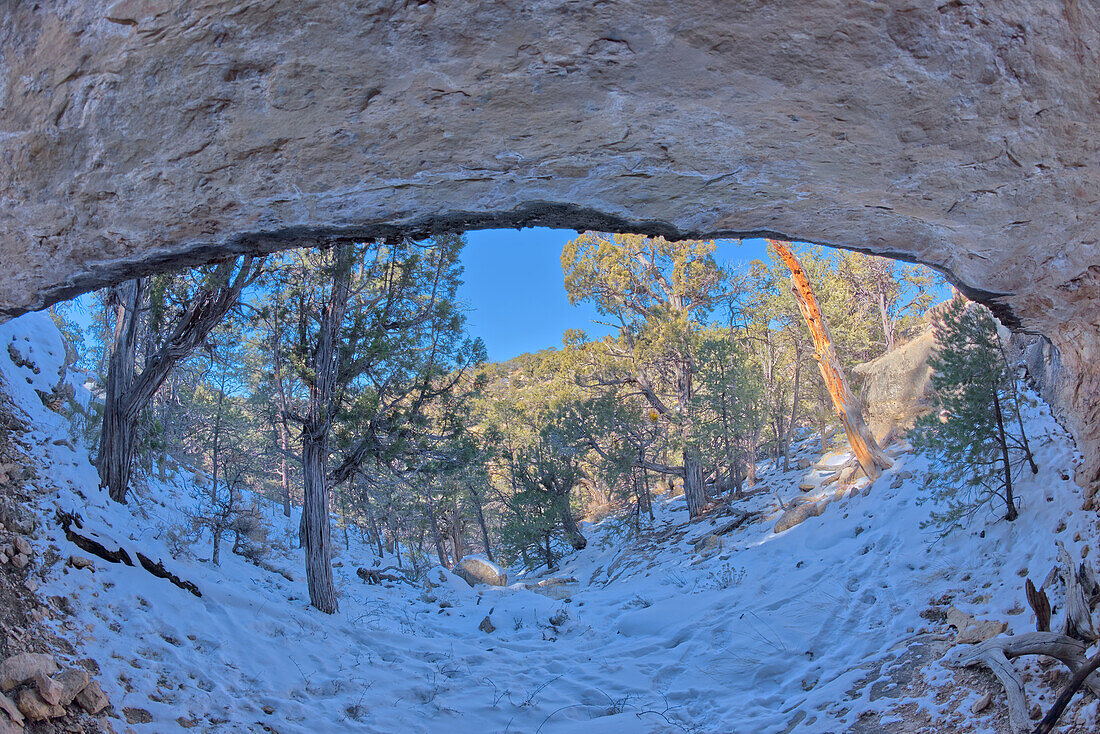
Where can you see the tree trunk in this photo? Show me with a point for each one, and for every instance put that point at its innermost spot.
(572, 531)
(116, 438)
(315, 526)
(694, 488)
(437, 537)
(315, 530)
(1011, 513)
(479, 512)
(794, 408)
(284, 432)
(863, 443)
(887, 323)
(127, 394)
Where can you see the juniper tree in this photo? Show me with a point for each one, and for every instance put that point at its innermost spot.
(976, 434)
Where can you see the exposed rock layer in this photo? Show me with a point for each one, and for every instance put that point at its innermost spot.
(141, 135)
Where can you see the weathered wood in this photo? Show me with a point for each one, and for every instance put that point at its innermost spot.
(375, 576)
(158, 570)
(1079, 677)
(1076, 615)
(863, 443)
(744, 518)
(996, 652)
(118, 554)
(90, 545)
(1039, 604)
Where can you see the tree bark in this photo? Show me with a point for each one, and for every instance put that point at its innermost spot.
(694, 488)
(116, 439)
(863, 443)
(315, 530)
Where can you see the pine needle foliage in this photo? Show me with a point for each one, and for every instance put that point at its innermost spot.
(975, 436)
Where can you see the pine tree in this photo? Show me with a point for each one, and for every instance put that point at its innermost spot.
(977, 434)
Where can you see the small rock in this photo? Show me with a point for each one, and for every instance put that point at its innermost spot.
(803, 463)
(806, 487)
(22, 546)
(1036, 712)
(92, 699)
(269, 709)
(137, 716)
(35, 708)
(48, 688)
(7, 705)
(19, 669)
(72, 682)
(20, 560)
(3, 559)
(981, 703)
(80, 563)
(7, 549)
(486, 625)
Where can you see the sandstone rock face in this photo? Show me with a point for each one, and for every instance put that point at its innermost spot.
(478, 570)
(136, 136)
(897, 387)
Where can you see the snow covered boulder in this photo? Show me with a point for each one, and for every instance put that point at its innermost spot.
(478, 570)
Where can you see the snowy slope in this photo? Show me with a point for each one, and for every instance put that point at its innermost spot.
(816, 629)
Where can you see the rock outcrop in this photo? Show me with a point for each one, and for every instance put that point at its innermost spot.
(138, 136)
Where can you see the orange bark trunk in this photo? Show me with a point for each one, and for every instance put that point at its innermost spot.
(863, 443)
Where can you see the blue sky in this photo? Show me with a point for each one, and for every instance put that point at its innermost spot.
(516, 293)
(514, 289)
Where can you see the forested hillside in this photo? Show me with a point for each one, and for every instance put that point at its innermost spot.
(288, 493)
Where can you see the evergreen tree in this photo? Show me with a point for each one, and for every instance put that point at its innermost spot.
(977, 434)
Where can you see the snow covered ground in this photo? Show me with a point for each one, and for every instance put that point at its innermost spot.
(816, 629)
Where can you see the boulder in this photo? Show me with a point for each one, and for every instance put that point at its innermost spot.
(896, 388)
(799, 514)
(804, 463)
(972, 630)
(35, 708)
(22, 546)
(72, 682)
(20, 560)
(19, 669)
(478, 570)
(49, 689)
(92, 699)
(806, 487)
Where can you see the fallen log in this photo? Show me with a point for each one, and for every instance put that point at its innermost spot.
(158, 570)
(1051, 719)
(118, 554)
(996, 652)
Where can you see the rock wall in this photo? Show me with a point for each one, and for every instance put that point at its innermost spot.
(147, 134)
